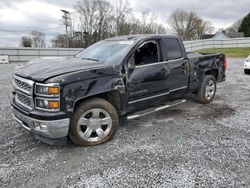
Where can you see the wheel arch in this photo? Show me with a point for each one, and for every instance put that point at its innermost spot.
(212, 72)
(113, 97)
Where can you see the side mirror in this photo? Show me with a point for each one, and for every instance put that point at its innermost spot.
(131, 63)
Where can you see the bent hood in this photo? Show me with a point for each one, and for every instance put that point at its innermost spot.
(44, 68)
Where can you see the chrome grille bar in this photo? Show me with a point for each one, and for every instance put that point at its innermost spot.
(24, 92)
(24, 100)
(24, 85)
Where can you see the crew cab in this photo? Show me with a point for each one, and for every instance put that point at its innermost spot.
(84, 98)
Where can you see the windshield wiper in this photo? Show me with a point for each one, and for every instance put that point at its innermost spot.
(90, 59)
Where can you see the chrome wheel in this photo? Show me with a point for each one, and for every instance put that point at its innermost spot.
(210, 89)
(94, 125)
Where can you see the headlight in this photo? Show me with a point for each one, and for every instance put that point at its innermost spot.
(47, 104)
(49, 90)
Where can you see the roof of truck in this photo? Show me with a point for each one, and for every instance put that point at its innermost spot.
(141, 36)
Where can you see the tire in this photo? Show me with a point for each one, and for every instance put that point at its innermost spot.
(94, 122)
(246, 71)
(207, 90)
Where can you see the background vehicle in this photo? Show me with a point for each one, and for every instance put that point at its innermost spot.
(247, 65)
(85, 97)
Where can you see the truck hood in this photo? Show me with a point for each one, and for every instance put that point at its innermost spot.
(45, 68)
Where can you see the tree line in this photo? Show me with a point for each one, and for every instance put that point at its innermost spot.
(94, 20)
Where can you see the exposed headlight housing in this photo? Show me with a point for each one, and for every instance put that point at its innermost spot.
(47, 104)
(47, 90)
(47, 97)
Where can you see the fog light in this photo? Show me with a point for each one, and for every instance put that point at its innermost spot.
(36, 125)
(40, 126)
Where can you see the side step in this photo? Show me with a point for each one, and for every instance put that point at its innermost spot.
(152, 110)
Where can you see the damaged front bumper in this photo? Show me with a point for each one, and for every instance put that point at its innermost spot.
(51, 132)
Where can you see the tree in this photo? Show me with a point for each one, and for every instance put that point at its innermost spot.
(148, 24)
(60, 41)
(26, 41)
(86, 10)
(245, 25)
(103, 19)
(188, 25)
(38, 39)
(122, 11)
(203, 27)
(99, 19)
(234, 27)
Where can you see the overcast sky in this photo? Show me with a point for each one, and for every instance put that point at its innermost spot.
(44, 15)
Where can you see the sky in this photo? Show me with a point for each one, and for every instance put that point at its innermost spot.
(19, 17)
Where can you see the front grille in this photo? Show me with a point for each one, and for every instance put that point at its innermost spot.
(24, 92)
(24, 100)
(24, 85)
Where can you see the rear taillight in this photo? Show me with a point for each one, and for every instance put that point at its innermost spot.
(225, 63)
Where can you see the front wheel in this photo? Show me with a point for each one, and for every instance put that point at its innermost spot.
(207, 89)
(94, 122)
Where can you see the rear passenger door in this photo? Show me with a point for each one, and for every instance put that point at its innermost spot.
(177, 64)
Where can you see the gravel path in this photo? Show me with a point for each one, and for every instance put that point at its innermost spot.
(191, 145)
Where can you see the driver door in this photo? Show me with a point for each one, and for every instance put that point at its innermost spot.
(147, 79)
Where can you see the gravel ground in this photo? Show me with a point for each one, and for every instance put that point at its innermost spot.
(191, 145)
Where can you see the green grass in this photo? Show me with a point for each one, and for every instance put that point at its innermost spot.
(229, 52)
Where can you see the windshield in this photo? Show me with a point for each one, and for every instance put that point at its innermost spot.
(107, 51)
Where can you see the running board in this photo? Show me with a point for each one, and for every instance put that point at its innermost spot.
(152, 110)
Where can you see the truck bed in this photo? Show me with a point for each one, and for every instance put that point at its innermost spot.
(192, 55)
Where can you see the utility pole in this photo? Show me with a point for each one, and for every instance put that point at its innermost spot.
(66, 22)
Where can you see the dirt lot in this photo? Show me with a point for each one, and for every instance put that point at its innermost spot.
(191, 145)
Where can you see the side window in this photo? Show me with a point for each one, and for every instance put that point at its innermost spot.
(171, 49)
(147, 54)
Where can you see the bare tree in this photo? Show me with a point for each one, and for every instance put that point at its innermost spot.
(149, 24)
(188, 25)
(38, 39)
(98, 19)
(59, 41)
(203, 27)
(26, 41)
(122, 10)
(104, 18)
(234, 27)
(86, 10)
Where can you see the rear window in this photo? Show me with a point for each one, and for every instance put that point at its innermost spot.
(171, 49)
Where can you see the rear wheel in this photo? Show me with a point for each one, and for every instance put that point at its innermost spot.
(207, 89)
(246, 71)
(94, 122)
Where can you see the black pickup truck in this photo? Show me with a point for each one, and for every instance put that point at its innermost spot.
(85, 97)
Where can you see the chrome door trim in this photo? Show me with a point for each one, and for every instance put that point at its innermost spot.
(155, 96)
(163, 62)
